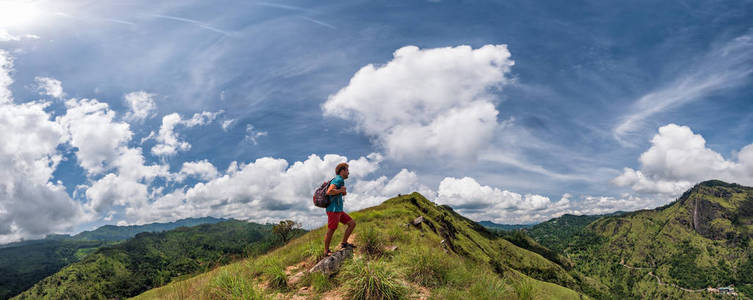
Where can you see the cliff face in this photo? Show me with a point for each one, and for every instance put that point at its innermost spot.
(719, 211)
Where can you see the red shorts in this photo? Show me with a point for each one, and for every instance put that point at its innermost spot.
(337, 217)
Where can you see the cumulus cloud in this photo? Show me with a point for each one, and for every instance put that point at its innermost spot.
(265, 190)
(679, 158)
(140, 104)
(31, 204)
(168, 141)
(427, 103)
(49, 86)
(480, 202)
(118, 173)
(202, 169)
(98, 138)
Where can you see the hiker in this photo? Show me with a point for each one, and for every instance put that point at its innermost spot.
(335, 213)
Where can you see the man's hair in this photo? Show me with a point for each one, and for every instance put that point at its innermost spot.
(339, 167)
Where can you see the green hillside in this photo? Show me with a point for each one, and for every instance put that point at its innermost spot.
(556, 233)
(701, 240)
(154, 259)
(445, 257)
(24, 263)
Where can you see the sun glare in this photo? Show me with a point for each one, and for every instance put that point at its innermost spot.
(17, 13)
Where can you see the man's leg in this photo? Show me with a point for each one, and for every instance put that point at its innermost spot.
(351, 225)
(328, 239)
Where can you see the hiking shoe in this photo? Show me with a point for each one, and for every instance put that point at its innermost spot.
(327, 253)
(346, 245)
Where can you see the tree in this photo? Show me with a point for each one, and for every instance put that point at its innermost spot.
(286, 229)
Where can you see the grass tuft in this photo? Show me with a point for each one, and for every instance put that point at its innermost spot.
(372, 280)
(396, 233)
(426, 267)
(276, 276)
(371, 241)
(320, 282)
(231, 287)
(523, 288)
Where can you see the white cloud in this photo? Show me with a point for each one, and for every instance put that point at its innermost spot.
(679, 158)
(479, 202)
(427, 103)
(31, 204)
(252, 135)
(202, 169)
(49, 86)
(265, 190)
(140, 104)
(228, 124)
(101, 148)
(168, 142)
(6, 65)
(5, 36)
(98, 139)
(725, 66)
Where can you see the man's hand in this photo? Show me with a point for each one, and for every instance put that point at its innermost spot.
(343, 191)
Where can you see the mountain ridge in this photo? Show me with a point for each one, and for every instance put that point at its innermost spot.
(455, 258)
(700, 240)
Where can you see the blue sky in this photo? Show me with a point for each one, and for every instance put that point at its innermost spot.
(511, 111)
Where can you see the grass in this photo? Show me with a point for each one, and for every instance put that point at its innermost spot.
(232, 287)
(367, 280)
(320, 282)
(275, 274)
(523, 288)
(426, 266)
(371, 241)
(396, 233)
(418, 262)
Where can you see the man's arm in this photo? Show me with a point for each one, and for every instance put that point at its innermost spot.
(333, 190)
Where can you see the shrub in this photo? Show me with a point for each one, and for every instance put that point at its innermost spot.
(372, 280)
(371, 242)
(228, 286)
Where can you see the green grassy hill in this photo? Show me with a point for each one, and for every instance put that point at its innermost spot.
(445, 257)
(153, 259)
(703, 239)
(22, 264)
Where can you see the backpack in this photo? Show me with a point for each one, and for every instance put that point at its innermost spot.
(321, 199)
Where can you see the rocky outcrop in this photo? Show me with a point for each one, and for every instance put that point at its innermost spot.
(331, 264)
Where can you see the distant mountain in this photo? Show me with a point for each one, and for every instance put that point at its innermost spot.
(117, 233)
(24, 263)
(153, 259)
(703, 239)
(492, 225)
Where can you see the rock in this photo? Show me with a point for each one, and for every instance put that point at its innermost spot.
(418, 221)
(331, 264)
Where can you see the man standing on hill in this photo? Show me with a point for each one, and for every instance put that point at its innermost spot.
(335, 213)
